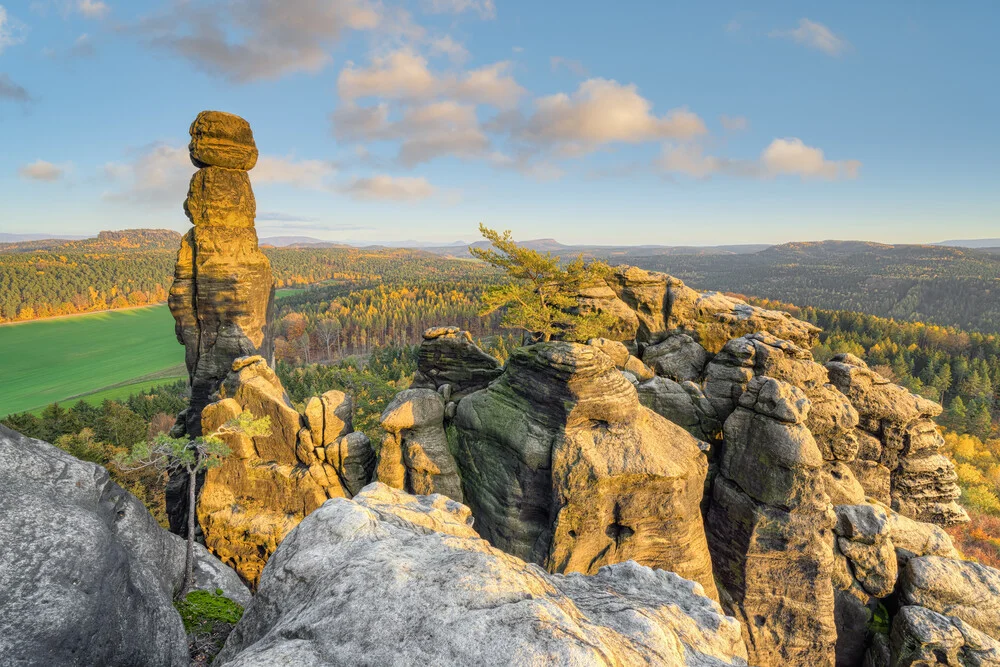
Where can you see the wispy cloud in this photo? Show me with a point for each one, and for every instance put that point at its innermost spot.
(815, 36)
(9, 90)
(734, 123)
(389, 188)
(485, 8)
(40, 170)
(92, 9)
(12, 31)
(782, 157)
(557, 63)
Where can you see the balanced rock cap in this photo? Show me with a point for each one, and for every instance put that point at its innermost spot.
(220, 139)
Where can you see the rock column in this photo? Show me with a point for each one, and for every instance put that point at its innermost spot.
(223, 291)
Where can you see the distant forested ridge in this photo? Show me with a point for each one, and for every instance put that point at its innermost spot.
(943, 285)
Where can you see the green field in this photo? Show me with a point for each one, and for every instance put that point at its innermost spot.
(116, 353)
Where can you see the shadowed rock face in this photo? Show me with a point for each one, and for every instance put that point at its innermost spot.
(88, 576)
(269, 483)
(223, 289)
(448, 361)
(770, 529)
(562, 466)
(413, 568)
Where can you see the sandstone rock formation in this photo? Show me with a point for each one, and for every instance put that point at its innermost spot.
(678, 357)
(271, 482)
(448, 361)
(223, 288)
(87, 576)
(684, 404)
(562, 466)
(923, 637)
(770, 529)
(969, 591)
(900, 460)
(415, 455)
(414, 569)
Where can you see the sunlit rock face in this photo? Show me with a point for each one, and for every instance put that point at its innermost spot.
(223, 288)
(899, 459)
(563, 467)
(269, 483)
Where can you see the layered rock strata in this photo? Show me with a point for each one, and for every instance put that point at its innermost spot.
(449, 362)
(87, 576)
(562, 466)
(770, 529)
(399, 563)
(899, 461)
(223, 288)
(269, 483)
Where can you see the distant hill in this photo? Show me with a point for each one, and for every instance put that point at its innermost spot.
(17, 238)
(616, 254)
(141, 240)
(938, 284)
(971, 243)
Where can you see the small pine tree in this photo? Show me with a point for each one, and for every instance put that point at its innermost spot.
(190, 456)
(540, 296)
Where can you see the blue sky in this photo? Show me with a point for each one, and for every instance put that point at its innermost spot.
(590, 122)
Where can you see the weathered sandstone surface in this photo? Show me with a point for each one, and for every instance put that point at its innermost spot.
(448, 361)
(563, 467)
(269, 483)
(899, 461)
(393, 579)
(87, 576)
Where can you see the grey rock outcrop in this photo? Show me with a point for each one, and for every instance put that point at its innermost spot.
(770, 531)
(967, 590)
(415, 455)
(900, 461)
(449, 361)
(678, 357)
(87, 576)
(438, 594)
(563, 467)
(923, 637)
(683, 404)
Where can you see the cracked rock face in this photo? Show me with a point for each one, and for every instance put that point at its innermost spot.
(899, 458)
(88, 575)
(921, 636)
(563, 467)
(415, 455)
(396, 562)
(223, 289)
(269, 483)
(770, 529)
(448, 361)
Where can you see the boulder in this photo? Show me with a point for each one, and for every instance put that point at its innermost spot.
(221, 139)
(270, 482)
(438, 594)
(87, 576)
(678, 357)
(684, 405)
(645, 292)
(923, 637)
(613, 348)
(967, 590)
(563, 467)
(415, 455)
(601, 298)
(448, 358)
(770, 531)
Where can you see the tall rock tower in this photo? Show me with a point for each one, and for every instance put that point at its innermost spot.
(223, 292)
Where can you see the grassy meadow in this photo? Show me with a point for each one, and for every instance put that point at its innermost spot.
(93, 356)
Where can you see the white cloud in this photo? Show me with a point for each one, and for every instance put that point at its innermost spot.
(354, 123)
(601, 111)
(734, 123)
(792, 157)
(11, 30)
(485, 8)
(384, 187)
(83, 47)
(782, 157)
(309, 174)
(272, 37)
(404, 75)
(733, 26)
(816, 36)
(40, 170)
(92, 9)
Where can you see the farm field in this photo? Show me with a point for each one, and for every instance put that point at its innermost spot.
(72, 357)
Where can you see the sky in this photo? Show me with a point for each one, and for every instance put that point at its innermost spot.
(647, 122)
